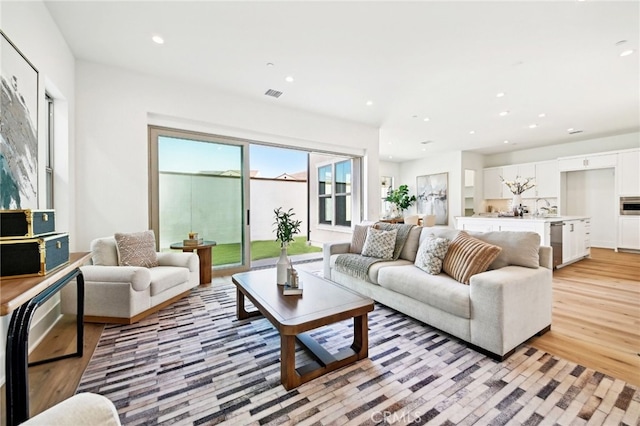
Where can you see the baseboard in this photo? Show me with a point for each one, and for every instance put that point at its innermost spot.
(138, 317)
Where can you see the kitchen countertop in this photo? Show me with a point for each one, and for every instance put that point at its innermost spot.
(525, 218)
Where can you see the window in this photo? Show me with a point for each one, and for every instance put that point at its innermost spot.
(334, 195)
(386, 183)
(49, 151)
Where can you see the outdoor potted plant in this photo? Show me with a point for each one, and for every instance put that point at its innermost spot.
(400, 199)
(286, 228)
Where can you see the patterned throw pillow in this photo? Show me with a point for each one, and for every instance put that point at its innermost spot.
(137, 249)
(431, 254)
(379, 243)
(468, 256)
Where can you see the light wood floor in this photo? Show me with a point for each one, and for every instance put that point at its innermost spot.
(596, 323)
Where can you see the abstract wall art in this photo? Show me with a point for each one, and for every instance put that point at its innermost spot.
(18, 129)
(432, 197)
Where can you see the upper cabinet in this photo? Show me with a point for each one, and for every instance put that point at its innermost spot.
(526, 171)
(585, 162)
(545, 174)
(492, 184)
(547, 179)
(628, 174)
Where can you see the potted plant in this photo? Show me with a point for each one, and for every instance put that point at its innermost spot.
(400, 198)
(286, 228)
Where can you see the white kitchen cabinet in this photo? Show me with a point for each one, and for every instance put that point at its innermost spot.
(629, 232)
(525, 171)
(547, 179)
(576, 242)
(475, 225)
(585, 162)
(492, 184)
(628, 174)
(488, 224)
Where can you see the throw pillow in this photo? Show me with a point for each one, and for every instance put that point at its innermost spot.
(137, 249)
(379, 243)
(431, 254)
(358, 238)
(468, 256)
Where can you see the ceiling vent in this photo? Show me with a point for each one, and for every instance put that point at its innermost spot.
(273, 93)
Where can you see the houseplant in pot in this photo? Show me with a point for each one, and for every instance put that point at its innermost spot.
(400, 199)
(286, 228)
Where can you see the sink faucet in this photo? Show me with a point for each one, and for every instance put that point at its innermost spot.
(538, 210)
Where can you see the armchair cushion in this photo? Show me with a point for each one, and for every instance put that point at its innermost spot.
(166, 277)
(104, 252)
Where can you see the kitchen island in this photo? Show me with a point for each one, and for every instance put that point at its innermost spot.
(568, 235)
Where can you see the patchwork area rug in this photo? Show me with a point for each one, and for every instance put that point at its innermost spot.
(195, 363)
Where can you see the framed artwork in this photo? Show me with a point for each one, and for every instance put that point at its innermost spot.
(433, 197)
(18, 129)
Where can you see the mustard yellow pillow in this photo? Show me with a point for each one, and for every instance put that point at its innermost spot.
(468, 256)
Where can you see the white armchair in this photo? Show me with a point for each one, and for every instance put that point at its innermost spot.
(80, 409)
(126, 294)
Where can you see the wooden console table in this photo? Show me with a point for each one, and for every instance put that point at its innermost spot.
(22, 296)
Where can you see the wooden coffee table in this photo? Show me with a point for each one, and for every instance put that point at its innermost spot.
(322, 303)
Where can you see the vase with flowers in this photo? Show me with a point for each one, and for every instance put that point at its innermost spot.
(286, 228)
(517, 187)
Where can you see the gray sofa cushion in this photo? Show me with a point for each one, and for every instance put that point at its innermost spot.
(518, 248)
(375, 268)
(440, 291)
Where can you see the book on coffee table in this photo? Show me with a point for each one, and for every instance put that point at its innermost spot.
(292, 291)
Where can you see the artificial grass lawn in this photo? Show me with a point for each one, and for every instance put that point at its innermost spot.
(224, 254)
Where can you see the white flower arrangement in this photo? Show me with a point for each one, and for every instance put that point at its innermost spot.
(519, 185)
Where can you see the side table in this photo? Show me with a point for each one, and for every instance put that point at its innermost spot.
(204, 254)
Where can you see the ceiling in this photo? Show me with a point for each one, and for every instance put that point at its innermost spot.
(445, 62)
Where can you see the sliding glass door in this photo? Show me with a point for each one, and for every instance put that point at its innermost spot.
(199, 184)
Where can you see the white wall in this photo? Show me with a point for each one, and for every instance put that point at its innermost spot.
(269, 194)
(114, 107)
(587, 146)
(30, 27)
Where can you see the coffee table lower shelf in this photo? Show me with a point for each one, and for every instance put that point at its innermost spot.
(294, 320)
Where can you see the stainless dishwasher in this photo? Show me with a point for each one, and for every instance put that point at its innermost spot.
(556, 242)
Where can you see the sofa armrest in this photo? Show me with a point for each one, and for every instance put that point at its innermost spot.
(329, 249)
(138, 277)
(509, 305)
(185, 260)
(546, 257)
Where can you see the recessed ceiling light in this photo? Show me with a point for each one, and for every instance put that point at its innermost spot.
(289, 79)
(270, 64)
(499, 95)
(570, 129)
(369, 103)
(424, 149)
(425, 119)
(506, 141)
(542, 115)
(157, 39)
(627, 52)
(472, 132)
(390, 157)
(533, 126)
(503, 113)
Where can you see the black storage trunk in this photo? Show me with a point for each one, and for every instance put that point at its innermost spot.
(33, 256)
(26, 223)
